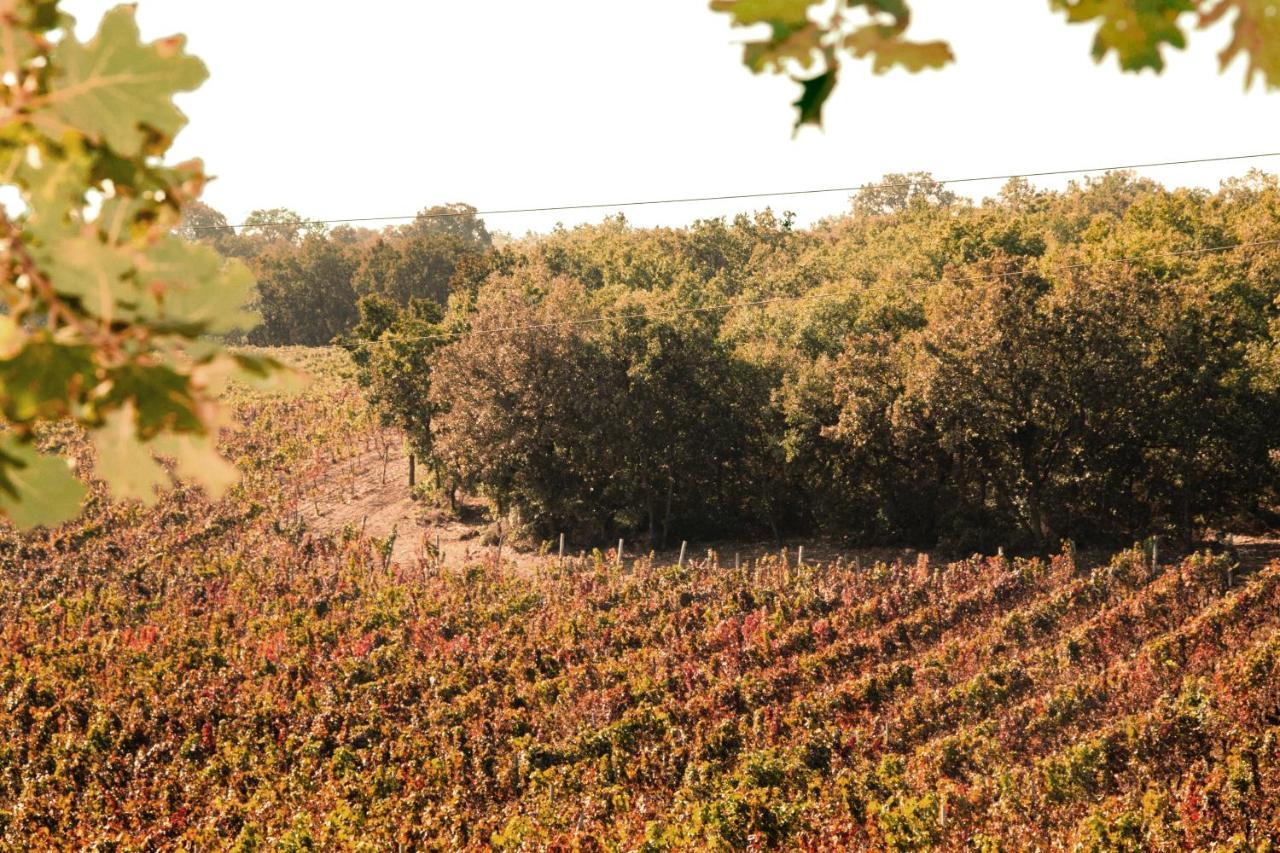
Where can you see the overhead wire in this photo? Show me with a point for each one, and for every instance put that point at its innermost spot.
(555, 208)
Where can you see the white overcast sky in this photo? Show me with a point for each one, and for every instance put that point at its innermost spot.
(382, 107)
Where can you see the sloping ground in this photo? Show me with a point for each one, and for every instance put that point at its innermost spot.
(296, 691)
(202, 675)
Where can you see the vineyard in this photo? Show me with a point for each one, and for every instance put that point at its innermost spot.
(202, 674)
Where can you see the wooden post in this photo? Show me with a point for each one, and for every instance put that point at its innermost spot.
(1155, 551)
(1000, 551)
(561, 561)
(412, 471)
(619, 557)
(800, 556)
(737, 567)
(683, 546)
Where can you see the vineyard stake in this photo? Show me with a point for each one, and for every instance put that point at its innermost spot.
(683, 546)
(1155, 551)
(619, 557)
(412, 471)
(561, 560)
(800, 556)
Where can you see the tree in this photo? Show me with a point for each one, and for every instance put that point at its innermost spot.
(1077, 406)
(203, 224)
(524, 416)
(106, 309)
(457, 220)
(418, 265)
(1136, 31)
(393, 349)
(639, 425)
(306, 295)
(279, 224)
(897, 193)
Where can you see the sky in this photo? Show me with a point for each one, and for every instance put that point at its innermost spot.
(380, 108)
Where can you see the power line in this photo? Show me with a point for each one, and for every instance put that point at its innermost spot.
(741, 196)
(752, 303)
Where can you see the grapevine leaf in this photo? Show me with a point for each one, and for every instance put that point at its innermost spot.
(12, 337)
(42, 379)
(1136, 32)
(748, 12)
(114, 88)
(268, 374)
(197, 459)
(798, 44)
(124, 462)
(194, 284)
(36, 488)
(52, 188)
(33, 16)
(815, 92)
(93, 272)
(888, 50)
(793, 36)
(1255, 33)
(164, 398)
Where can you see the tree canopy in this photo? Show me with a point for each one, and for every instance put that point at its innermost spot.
(1097, 363)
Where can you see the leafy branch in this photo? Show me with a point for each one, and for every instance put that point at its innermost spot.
(109, 319)
(799, 40)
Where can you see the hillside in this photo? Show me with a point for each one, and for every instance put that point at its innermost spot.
(197, 673)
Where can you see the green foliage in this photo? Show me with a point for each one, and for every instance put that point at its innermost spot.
(35, 488)
(310, 278)
(1034, 367)
(106, 315)
(392, 349)
(306, 293)
(591, 427)
(799, 37)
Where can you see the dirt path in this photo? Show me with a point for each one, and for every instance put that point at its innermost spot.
(371, 494)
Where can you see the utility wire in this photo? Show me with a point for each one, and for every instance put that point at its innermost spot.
(751, 303)
(739, 196)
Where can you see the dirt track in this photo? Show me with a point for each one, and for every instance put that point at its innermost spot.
(374, 498)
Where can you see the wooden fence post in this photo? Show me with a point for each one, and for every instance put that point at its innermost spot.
(412, 471)
(561, 560)
(683, 546)
(619, 557)
(800, 556)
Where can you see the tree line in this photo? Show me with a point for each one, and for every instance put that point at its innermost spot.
(310, 277)
(1096, 363)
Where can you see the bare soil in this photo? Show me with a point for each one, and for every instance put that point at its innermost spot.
(370, 492)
